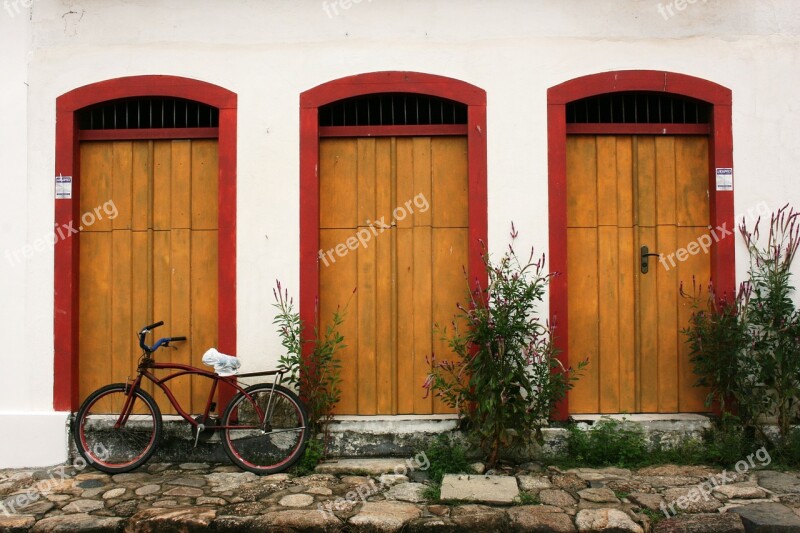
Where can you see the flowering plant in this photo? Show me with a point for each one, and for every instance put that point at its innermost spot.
(506, 378)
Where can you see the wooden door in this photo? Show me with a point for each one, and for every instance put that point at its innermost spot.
(625, 192)
(155, 260)
(407, 266)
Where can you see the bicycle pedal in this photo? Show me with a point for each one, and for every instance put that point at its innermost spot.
(200, 429)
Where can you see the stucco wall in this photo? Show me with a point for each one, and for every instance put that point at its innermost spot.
(269, 51)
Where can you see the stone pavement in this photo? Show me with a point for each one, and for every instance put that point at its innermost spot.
(390, 495)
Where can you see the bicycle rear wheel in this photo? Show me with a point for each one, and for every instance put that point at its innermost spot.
(110, 444)
(265, 448)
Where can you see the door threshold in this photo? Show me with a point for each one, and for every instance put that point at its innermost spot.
(643, 417)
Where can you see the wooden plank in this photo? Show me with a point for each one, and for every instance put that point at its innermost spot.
(141, 186)
(181, 176)
(422, 184)
(405, 168)
(691, 155)
(386, 280)
(203, 331)
(336, 283)
(449, 196)
(96, 168)
(697, 267)
(645, 154)
(367, 311)
(665, 180)
(122, 354)
(582, 252)
(625, 181)
(629, 264)
(162, 185)
(609, 308)
(385, 182)
(141, 290)
(448, 260)
(667, 296)
(366, 181)
(648, 329)
(385, 322)
(161, 297)
(338, 183)
(607, 181)
(204, 201)
(404, 258)
(581, 181)
(422, 317)
(94, 336)
(121, 187)
(181, 310)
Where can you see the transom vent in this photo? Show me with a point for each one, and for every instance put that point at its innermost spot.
(148, 113)
(393, 109)
(638, 108)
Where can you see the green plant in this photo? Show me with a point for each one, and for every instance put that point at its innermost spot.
(717, 337)
(312, 455)
(433, 492)
(772, 317)
(608, 442)
(747, 351)
(506, 378)
(787, 454)
(526, 498)
(654, 516)
(317, 372)
(446, 456)
(688, 451)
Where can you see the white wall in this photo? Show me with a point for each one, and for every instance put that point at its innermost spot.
(269, 51)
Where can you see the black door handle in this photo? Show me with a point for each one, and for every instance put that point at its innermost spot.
(645, 254)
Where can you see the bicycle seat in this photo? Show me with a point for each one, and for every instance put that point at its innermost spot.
(224, 365)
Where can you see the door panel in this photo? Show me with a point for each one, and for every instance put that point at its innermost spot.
(625, 192)
(408, 273)
(156, 260)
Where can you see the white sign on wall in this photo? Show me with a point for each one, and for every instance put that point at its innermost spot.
(63, 187)
(724, 179)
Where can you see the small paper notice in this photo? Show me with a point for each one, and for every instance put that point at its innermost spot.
(724, 179)
(63, 187)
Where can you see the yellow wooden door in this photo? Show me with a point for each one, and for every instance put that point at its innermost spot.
(625, 192)
(403, 202)
(155, 260)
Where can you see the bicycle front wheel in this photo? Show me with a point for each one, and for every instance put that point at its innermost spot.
(110, 441)
(267, 429)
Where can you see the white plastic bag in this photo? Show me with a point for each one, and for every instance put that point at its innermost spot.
(224, 365)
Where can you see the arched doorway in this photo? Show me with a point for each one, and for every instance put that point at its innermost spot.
(621, 187)
(105, 141)
(398, 159)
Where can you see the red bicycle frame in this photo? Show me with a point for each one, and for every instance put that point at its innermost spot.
(185, 370)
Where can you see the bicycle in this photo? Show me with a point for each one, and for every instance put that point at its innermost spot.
(118, 427)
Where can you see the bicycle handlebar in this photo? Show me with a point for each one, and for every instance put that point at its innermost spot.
(152, 326)
(160, 342)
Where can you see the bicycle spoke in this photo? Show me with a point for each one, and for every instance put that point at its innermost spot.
(110, 441)
(285, 434)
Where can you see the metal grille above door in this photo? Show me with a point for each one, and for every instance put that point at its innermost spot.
(148, 113)
(393, 109)
(638, 108)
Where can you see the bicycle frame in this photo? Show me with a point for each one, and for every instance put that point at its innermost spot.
(185, 370)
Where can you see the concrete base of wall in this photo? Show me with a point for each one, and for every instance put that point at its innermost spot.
(33, 439)
(373, 436)
(405, 436)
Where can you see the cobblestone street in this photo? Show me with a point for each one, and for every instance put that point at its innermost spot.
(385, 495)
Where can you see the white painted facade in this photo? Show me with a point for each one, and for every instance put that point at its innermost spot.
(269, 51)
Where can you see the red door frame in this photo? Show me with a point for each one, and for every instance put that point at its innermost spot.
(65, 386)
(723, 270)
(387, 82)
